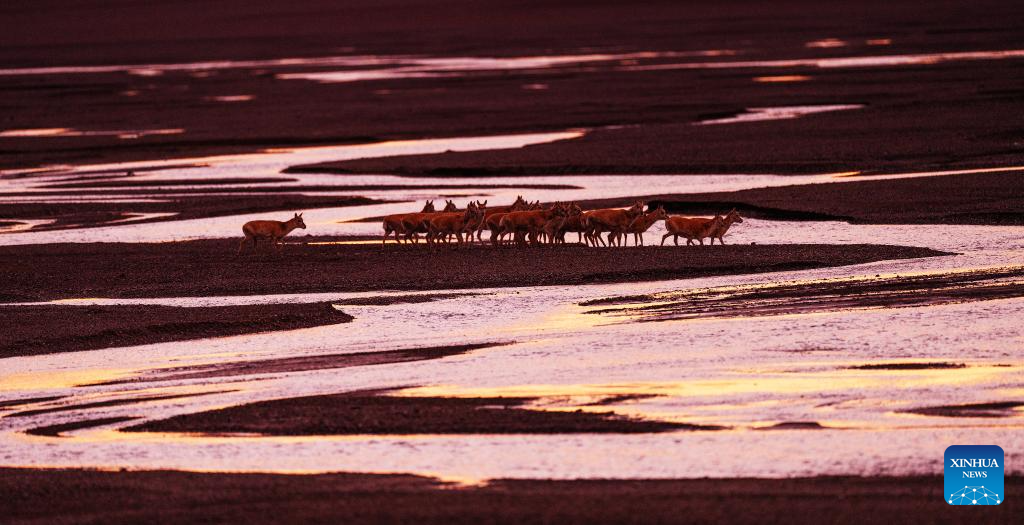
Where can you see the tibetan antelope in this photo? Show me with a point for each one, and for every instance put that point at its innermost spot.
(442, 225)
(612, 220)
(271, 231)
(492, 217)
(691, 228)
(493, 221)
(393, 223)
(732, 217)
(471, 227)
(643, 222)
(556, 228)
(530, 222)
(573, 223)
(414, 223)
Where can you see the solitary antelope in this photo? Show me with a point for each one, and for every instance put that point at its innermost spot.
(530, 222)
(691, 228)
(719, 231)
(393, 223)
(613, 221)
(643, 223)
(269, 230)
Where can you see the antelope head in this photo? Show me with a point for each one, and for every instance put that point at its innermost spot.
(298, 222)
(520, 202)
(733, 217)
(473, 213)
(428, 207)
(450, 206)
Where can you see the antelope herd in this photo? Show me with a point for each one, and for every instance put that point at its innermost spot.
(523, 222)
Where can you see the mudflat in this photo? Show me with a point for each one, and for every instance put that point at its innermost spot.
(360, 413)
(86, 496)
(211, 267)
(921, 115)
(48, 329)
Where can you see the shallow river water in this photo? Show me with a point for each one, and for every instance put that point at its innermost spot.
(746, 373)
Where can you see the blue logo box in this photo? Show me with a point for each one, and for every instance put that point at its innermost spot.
(974, 475)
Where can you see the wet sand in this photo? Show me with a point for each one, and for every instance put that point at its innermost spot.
(84, 496)
(48, 329)
(360, 413)
(203, 268)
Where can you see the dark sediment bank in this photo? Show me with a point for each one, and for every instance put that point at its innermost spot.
(47, 329)
(994, 409)
(982, 198)
(202, 268)
(378, 413)
(78, 496)
(952, 113)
